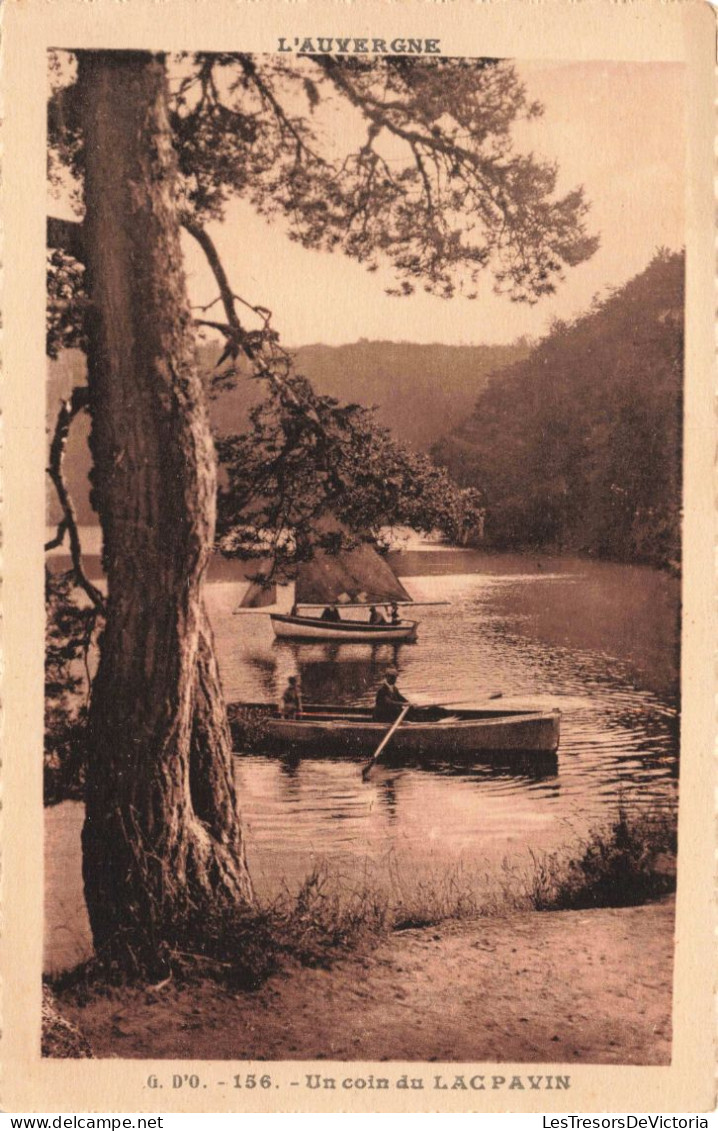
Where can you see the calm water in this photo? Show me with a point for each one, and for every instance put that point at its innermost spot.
(594, 639)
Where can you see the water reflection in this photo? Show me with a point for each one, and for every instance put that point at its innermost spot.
(482, 764)
(338, 673)
(389, 796)
(597, 641)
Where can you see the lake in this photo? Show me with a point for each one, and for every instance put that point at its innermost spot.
(595, 639)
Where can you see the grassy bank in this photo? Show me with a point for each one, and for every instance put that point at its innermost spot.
(629, 862)
(564, 986)
(484, 980)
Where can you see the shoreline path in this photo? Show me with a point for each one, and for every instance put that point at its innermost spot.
(583, 987)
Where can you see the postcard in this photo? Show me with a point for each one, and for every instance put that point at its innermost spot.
(358, 566)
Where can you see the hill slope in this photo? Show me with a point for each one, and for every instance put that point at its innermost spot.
(421, 392)
(579, 445)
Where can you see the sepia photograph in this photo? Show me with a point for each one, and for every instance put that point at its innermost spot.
(366, 439)
(383, 699)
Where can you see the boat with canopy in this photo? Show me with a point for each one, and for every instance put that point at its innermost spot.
(352, 579)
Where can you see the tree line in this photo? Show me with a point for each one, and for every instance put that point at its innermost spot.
(578, 447)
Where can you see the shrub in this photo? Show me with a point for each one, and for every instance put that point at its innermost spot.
(630, 862)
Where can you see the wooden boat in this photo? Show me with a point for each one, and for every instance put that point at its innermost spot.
(351, 579)
(287, 627)
(436, 733)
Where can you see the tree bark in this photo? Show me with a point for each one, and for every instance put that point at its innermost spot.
(162, 838)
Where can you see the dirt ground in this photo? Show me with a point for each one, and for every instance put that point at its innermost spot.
(585, 987)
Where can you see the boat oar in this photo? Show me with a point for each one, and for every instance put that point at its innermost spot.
(383, 744)
(463, 702)
(486, 698)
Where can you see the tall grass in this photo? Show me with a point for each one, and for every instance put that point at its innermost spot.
(630, 861)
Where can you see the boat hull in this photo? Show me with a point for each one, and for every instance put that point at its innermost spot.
(349, 632)
(467, 736)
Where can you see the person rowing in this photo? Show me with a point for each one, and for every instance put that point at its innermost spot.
(389, 700)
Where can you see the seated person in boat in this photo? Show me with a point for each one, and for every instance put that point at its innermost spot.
(291, 699)
(376, 617)
(389, 700)
(331, 613)
(395, 614)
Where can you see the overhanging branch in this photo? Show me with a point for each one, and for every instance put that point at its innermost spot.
(75, 403)
(68, 236)
(205, 241)
(59, 536)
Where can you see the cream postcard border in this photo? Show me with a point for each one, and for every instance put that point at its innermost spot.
(681, 30)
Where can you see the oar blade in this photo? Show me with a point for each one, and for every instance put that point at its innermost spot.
(385, 741)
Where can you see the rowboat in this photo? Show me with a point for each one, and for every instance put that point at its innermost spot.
(434, 733)
(287, 627)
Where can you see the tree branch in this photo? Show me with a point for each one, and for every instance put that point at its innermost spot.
(284, 122)
(254, 345)
(69, 409)
(59, 536)
(206, 242)
(433, 142)
(68, 236)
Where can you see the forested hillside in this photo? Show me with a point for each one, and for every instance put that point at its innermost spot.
(578, 446)
(420, 391)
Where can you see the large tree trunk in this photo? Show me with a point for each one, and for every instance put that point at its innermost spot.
(162, 838)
